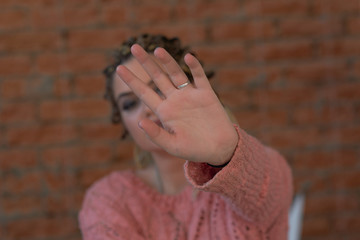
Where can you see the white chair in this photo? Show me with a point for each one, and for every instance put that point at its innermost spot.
(296, 216)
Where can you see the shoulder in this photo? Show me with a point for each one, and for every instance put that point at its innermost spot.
(106, 203)
(111, 184)
(103, 195)
(110, 189)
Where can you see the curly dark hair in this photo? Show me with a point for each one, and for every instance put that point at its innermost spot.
(149, 43)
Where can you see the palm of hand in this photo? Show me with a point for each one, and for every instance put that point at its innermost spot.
(195, 125)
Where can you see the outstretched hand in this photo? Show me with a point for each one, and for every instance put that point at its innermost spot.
(195, 126)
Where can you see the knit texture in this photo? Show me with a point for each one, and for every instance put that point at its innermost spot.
(247, 199)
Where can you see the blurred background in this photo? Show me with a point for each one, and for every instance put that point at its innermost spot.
(288, 69)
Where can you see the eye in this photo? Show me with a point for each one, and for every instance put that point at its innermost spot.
(130, 104)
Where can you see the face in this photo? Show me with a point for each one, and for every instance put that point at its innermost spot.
(131, 108)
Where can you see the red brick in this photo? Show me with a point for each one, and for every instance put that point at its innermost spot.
(340, 47)
(124, 153)
(13, 19)
(315, 72)
(46, 19)
(76, 156)
(235, 99)
(345, 92)
(20, 206)
(356, 69)
(262, 118)
(40, 135)
(13, 88)
(182, 11)
(357, 112)
(355, 236)
(86, 62)
(39, 87)
(116, 15)
(333, 6)
(59, 180)
(61, 157)
(42, 227)
(293, 138)
(151, 13)
(276, 8)
(17, 112)
(310, 27)
(15, 65)
(285, 97)
(77, 198)
(2, 140)
(348, 224)
(219, 55)
(144, 2)
(321, 160)
(353, 25)
(79, 3)
(62, 87)
(30, 42)
(114, 2)
(241, 31)
(203, 9)
(34, 3)
(58, 204)
(14, 184)
(312, 183)
(185, 31)
(101, 131)
(318, 226)
(5, 4)
(83, 16)
(97, 39)
(331, 204)
(345, 180)
(281, 51)
(73, 109)
(89, 85)
(72, 62)
(325, 115)
(348, 134)
(323, 136)
(88, 176)
(50, 63)
(237, 76)
(18, 159)
(249, 77)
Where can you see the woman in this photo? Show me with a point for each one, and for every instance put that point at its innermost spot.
(208, 179)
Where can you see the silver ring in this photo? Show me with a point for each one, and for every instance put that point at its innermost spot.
(183, 85)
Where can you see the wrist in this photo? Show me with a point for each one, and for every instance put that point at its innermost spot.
(228, 152)
(219, 166)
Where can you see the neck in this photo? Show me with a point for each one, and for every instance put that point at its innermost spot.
(170, 172)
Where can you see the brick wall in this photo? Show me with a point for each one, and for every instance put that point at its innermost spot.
(289, 70)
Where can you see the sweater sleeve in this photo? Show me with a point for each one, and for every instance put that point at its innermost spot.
(104, 216)
(257, 181)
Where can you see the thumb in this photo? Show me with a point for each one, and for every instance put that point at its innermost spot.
(156, 133)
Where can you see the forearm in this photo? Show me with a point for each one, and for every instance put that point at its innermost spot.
(257, 180)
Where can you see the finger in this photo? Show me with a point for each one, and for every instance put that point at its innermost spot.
(197, 71)
(153, 69)
(156, 133)
(142, 90)
(175, 72)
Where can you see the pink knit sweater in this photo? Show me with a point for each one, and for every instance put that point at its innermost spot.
(247, 199)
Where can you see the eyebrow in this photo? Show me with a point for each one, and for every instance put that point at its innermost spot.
(130, 92)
